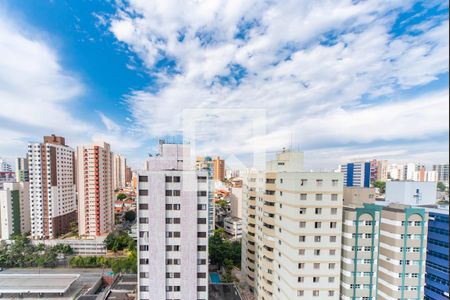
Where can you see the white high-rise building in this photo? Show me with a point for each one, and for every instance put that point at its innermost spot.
(14, 209)
(53, 203)
(95, 189)
(292, 224)
(119, 171)
(173, 227)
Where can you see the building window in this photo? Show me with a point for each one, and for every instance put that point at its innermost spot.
(316, 293)
(302, 238)
(143, 247)
(317, 225)
(143, 206)
(201, 275)
(330, 293)
(302, 211)
(302, 224)
(301, 265)
(143, 220)
(143, 274)
(201, 248)
(301, 251)
(317, 252)
(330, 279)
(143, 178)
(332, 252)
(335, 182)
(300, 293)
(316, 266)
(303, 196)
(201, 221)
(319, 197)
(201, 234)
(318, 211)
(176, 179)
(201, 206)
(301, 279)
(331, 266)
(168, 206)
(334, 211)
(316, 279)
(201, 288)
(334, 197)
(319, 182)
(317, 238)
(143, 288)
(333, 239)
(143, 261)
(201, 193)
(168, 192)
(143, 192)
(333, 224)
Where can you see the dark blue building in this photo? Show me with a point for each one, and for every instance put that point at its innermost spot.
(436, 278)
(357, 174)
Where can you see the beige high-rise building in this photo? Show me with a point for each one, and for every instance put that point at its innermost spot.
(119, 171)
(95, 189)
(383, 251)
(53, 203)
(292, 222)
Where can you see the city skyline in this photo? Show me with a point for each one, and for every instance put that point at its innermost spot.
(237, 59)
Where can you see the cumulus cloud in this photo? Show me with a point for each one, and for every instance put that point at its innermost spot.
(37, 94)
(326, 72)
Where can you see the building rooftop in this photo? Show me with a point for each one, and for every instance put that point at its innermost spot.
(36, 283)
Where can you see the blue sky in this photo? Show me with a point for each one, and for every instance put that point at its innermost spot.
(340, 80)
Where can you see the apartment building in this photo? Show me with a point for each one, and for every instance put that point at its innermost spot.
(357, 174)
(22, 173)
(14, 209)
(95, 189)
(173, 227)
(206, 164)
(5, 166)
(291, 238)
(219, 169)
(442, 172)
(52, 193)
(437, 268)
(119, 171)
(383, 251)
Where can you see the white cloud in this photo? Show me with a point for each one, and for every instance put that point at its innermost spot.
(314, 93)
(37, 94)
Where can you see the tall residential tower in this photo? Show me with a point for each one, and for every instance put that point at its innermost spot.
(52, 187)
(291, 243)
(173, 227)
(95, 189)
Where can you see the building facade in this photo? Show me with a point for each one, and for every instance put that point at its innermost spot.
(219, 169)
(52, 193)
(442, 172)
(233, 227)
(383, 252)
(411, 192)
(22, 173)
(357, 174)
(5, 166)
(437, 268)
(173, 227)
(292, 222)
(119, 171)
(95, 189)
(14, 209)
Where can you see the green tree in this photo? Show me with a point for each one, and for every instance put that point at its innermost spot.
(222, 203)
(380, 185)
(121, 196)
(130, 216)
(119, 240)
(441, 186)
